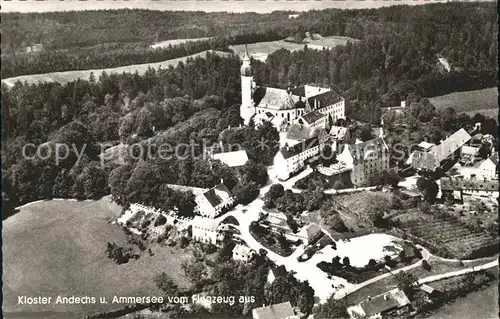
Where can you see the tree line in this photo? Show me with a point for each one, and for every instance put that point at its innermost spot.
(191, 102)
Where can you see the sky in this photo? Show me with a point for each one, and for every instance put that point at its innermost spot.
(261, 6)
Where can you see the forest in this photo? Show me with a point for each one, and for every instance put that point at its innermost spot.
(198, 100)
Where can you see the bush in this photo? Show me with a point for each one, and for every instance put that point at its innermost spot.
(160, 220)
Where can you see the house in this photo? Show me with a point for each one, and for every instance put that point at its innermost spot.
(470, 154)
(206, 230)
(276, 272)
(291, 159)
(232, 159)
(282, 310)
(285, 104)
(339, 132)
(34, 48)
(430, 291)
(432, 159)
(243, 253)
(425, 146)
(214, 201)
(473, 186)
(365, 159)
(489, 167)
(314, 233)
(376, 307)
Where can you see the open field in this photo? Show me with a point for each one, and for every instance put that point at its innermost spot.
(483, 101)
(261, 50)
(68, 76)
(438, 267)
(57, 247)
(448, 233)
(477, 304)
(165, 44)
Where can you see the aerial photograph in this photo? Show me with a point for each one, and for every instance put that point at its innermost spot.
(250, 159)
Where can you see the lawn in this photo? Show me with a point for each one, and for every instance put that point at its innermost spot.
(477, 304)
(483, 101)
(57, 247)
(68, 76)
(261, 50)
(388, 283)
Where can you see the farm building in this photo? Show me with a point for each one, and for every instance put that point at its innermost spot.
(243, 253)
(376, 307)
(290, 159)
(474, 186)
(214, 201)
(232, 159)
(432, 159)
(206, 230)
(282, 310)
(489, 167)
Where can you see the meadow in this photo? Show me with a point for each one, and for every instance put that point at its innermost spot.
(261, 50)
(68, 76)
(57, 247)
(483, 101)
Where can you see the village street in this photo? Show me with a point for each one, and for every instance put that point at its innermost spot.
(307, 270)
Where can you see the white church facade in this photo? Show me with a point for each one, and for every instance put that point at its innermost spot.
(284, 107)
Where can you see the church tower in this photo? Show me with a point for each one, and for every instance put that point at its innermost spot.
(247, 109)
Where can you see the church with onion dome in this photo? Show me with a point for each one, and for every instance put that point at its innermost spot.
(305, 105)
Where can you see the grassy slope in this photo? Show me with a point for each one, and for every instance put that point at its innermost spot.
(68, 76)
(58, 248)
(483, 101)
(261, 50)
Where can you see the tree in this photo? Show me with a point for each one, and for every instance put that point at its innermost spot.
(254, 172)
(429, 189)
(166, 284)
(406, 281)
(390, 178)
(292, 223)
(195, 271)
(346, 262)
(331, 309)
(245, 194)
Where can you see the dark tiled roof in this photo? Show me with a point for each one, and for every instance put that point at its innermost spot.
(279, 271)
(277, 311)
(313, 116)
(299, 91)
(290, 151)
(212, 197)
(475, 184)
(494, 158)
(298, 132)
(384, 302)
(325, 99)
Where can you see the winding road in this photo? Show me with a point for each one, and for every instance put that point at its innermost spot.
(323, 286)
